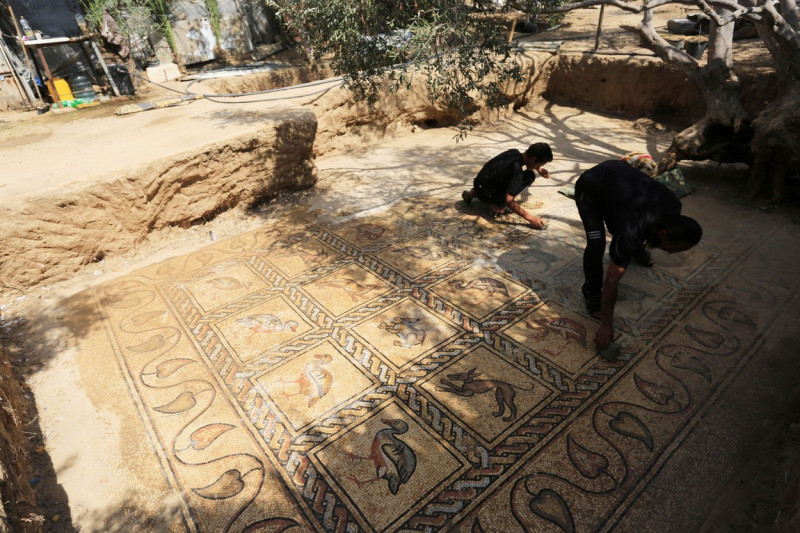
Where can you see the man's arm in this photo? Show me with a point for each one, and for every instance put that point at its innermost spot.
(605, 334)
(512, 204)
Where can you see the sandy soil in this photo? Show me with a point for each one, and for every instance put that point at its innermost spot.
(342, 190)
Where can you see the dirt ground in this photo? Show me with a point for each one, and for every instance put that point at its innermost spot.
(759, 499)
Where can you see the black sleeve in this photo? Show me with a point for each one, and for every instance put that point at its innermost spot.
(622, 248)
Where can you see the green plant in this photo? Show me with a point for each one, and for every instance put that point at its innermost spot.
(161, 12)
(464, 56)
(136, 18)
(93, 12)
(215, 17)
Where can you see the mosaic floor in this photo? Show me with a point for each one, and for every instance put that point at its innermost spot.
(428, 369)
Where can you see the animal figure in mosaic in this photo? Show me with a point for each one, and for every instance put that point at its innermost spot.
(308, 257)
(370, 231)
(228, 283)
(271, 233)
(490, 286)
(504, 393)
(314, 382)
(466, 229)
(265, 323)
(394, 460)
(635, 296)
(565, 328)
(408, 329)
(546, 259)
(407, 255)
(357, 291)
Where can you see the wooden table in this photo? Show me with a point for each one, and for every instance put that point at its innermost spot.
(38, 44)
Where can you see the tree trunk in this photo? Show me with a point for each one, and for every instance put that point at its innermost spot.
(777, 135)
(777, 128)
(725, 126)
(726, 132)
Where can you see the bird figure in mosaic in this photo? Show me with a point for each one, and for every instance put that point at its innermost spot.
(407, 254)
(490, 286)
(394, 460)
(314, 382)
(370, 231)
(228, 283)
(565, 328)
(265, 323)
(357, 291)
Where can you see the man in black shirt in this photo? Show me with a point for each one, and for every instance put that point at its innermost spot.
(502, 178)
(638, 211)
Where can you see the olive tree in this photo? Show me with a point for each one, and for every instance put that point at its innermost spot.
(377, 44)
(727, 132)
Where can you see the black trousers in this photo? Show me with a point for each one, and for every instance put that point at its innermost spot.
(587, 198)
(487, 192)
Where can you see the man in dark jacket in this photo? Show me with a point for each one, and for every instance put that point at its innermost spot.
(638, 211)
(502, 178)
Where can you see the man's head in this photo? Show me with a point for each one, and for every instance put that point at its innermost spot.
(676, 233)
(537, 154)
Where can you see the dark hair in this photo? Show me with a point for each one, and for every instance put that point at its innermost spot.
(541, 151)
(680, 228)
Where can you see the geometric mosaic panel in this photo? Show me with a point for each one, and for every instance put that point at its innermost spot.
(403, 332)
(486, 393)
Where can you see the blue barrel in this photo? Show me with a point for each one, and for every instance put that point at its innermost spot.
(81, 87)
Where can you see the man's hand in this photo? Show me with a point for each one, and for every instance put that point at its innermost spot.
(544, 173)
(603, 337)
(536, 222)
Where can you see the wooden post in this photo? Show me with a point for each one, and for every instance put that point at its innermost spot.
(599, 27)
(49, 77)
(25, 52)
(103, 65)
(511, 33)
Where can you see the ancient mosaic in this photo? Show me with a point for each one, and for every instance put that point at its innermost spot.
(424, 369)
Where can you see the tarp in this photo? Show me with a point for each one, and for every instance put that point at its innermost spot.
(55, 18)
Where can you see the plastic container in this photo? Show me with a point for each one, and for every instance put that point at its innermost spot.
(695, 46)
(82, 88)
(63, 88)
(682, 26)
(27, 31)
